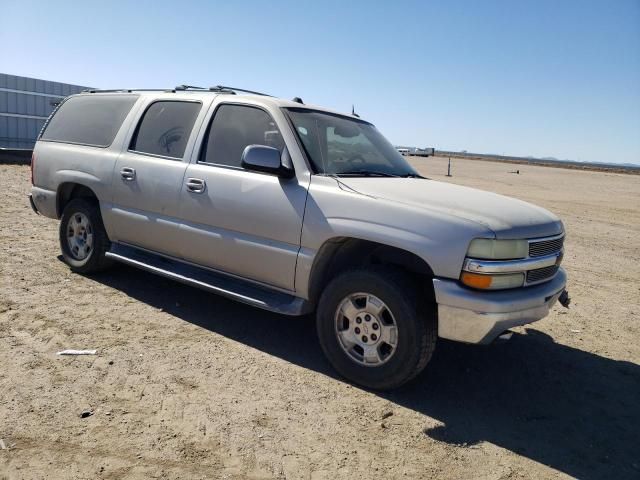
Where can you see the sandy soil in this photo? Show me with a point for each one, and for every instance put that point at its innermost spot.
(189, 385)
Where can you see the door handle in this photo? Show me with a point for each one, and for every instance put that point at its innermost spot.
(196, 185)
(128, 173)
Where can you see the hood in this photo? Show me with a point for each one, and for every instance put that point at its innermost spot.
(508, 217)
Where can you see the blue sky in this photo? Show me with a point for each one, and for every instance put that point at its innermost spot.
(542, 78)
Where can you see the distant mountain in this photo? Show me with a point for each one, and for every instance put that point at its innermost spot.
(613, 166)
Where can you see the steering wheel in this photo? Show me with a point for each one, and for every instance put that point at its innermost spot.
(357, 158)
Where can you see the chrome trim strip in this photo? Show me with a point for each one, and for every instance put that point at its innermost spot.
(510, 266)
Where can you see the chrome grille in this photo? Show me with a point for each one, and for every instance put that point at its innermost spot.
(545, 247)
(540, 274)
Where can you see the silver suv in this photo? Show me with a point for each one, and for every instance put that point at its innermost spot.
(294, 208)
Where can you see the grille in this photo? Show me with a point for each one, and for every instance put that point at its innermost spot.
(545, 247)
(540, 274)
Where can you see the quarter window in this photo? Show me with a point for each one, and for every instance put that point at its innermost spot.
(89, 119)
(233, 128)
(165, 128)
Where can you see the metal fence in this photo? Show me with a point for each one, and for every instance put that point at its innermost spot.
(25, 103)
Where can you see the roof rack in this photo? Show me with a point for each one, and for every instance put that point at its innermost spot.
(188, 87)
(222, 88)
(179, 88)
(218, 89)
(126, 90)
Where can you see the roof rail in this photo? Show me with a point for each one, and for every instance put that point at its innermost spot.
(180, 88)
(127, 90)
(222, 88)
(188, 87)
(97, 90)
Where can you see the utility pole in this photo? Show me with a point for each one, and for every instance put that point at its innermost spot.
(449, 168)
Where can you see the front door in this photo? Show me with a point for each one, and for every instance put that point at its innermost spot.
(148, 176)
(240, 222)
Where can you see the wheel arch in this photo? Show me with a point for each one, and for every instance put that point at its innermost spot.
(67, 191)
(340, 254)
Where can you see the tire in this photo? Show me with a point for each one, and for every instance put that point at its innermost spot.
(83, 217)
(414, 318)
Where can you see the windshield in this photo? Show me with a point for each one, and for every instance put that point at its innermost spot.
(338, 145)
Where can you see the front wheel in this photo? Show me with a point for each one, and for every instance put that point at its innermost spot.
(375, 329)
(83, 239)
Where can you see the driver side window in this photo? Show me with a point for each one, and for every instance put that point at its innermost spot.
(233, 128)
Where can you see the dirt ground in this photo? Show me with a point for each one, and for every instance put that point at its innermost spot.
(189, 385)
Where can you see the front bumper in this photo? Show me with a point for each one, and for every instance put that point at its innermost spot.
(474, 316)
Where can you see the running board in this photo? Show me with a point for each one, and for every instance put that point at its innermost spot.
(210, 281)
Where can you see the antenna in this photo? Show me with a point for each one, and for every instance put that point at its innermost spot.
(353, 111)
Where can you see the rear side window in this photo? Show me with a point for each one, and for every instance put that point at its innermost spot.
(233, 128)
(165, 128)
(89, 119)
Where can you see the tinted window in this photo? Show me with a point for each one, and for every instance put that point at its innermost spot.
(89, 119)
(165, 128)
(236, 126)
(340, 145)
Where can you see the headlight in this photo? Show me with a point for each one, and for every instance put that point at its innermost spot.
(489, 249)
(484, 281)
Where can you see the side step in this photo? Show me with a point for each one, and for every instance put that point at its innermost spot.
(205, 279)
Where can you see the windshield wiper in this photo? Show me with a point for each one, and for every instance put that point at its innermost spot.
(371, 173)
(365, 173)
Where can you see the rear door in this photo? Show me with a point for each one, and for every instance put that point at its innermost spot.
(244, 223)
(148, 174)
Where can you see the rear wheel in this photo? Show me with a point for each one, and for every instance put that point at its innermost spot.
(374, 328)
(83, 239)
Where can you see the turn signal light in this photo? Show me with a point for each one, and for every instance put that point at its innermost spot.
(476, 280)
(492, 282)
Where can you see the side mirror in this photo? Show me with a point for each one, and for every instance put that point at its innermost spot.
(261, 158)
